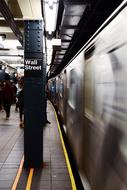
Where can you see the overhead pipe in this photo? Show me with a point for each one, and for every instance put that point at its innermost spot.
(5, 11)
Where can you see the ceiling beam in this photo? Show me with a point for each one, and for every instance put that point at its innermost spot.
(20, 23)
(91, 20)
(5, 11)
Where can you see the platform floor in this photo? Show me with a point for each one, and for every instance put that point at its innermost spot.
(54, 174)
(11, 148)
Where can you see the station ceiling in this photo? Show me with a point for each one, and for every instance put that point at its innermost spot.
(76, 22)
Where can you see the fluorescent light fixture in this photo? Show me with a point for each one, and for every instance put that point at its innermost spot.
(11, 58)
(47, 68)
(17, 65)
(11, 44)
(1, 42)
(50, 14)
(56, 42)
(49, 50)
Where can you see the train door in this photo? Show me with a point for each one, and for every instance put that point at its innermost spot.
(61, 95)
(65, 97)
(88, 112)
(57, 91)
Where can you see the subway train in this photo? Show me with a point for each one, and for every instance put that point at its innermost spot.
(91, 97)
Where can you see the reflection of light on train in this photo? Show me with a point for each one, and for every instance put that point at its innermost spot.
(91, 96)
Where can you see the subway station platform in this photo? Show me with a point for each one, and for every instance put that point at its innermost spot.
(54, 174)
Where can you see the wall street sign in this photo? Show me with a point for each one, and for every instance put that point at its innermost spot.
(33, 67)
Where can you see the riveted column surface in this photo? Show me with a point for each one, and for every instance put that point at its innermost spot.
(34, 94)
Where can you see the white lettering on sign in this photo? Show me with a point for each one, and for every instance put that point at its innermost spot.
(31, 62)
(32, 65)
(29, 67)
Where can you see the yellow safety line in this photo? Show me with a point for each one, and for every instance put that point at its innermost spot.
(66, 156)
(29, 181)
(18, 175)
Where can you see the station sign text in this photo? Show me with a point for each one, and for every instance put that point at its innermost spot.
(33, 67)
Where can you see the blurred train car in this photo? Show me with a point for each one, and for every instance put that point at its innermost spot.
(91, 96)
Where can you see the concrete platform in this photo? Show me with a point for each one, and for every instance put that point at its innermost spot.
(54, 173)
(11, 148)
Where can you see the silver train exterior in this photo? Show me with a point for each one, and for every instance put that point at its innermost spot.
(91, 96)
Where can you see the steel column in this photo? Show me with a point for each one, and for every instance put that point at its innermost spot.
(34, 94)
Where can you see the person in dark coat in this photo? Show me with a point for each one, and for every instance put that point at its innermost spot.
(7, 96)
(21, 102)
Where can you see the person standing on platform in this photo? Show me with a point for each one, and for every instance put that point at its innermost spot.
(7, 95)
(14, 91)
(21, 101)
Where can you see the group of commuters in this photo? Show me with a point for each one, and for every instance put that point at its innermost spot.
(11, 94)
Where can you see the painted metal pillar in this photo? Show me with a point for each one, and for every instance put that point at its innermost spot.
(34, 94)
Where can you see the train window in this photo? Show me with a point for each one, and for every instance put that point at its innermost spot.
(72, 89)
(56, 85)
(57, 88)
(88, 90)
(53, 87)
(61, 86)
